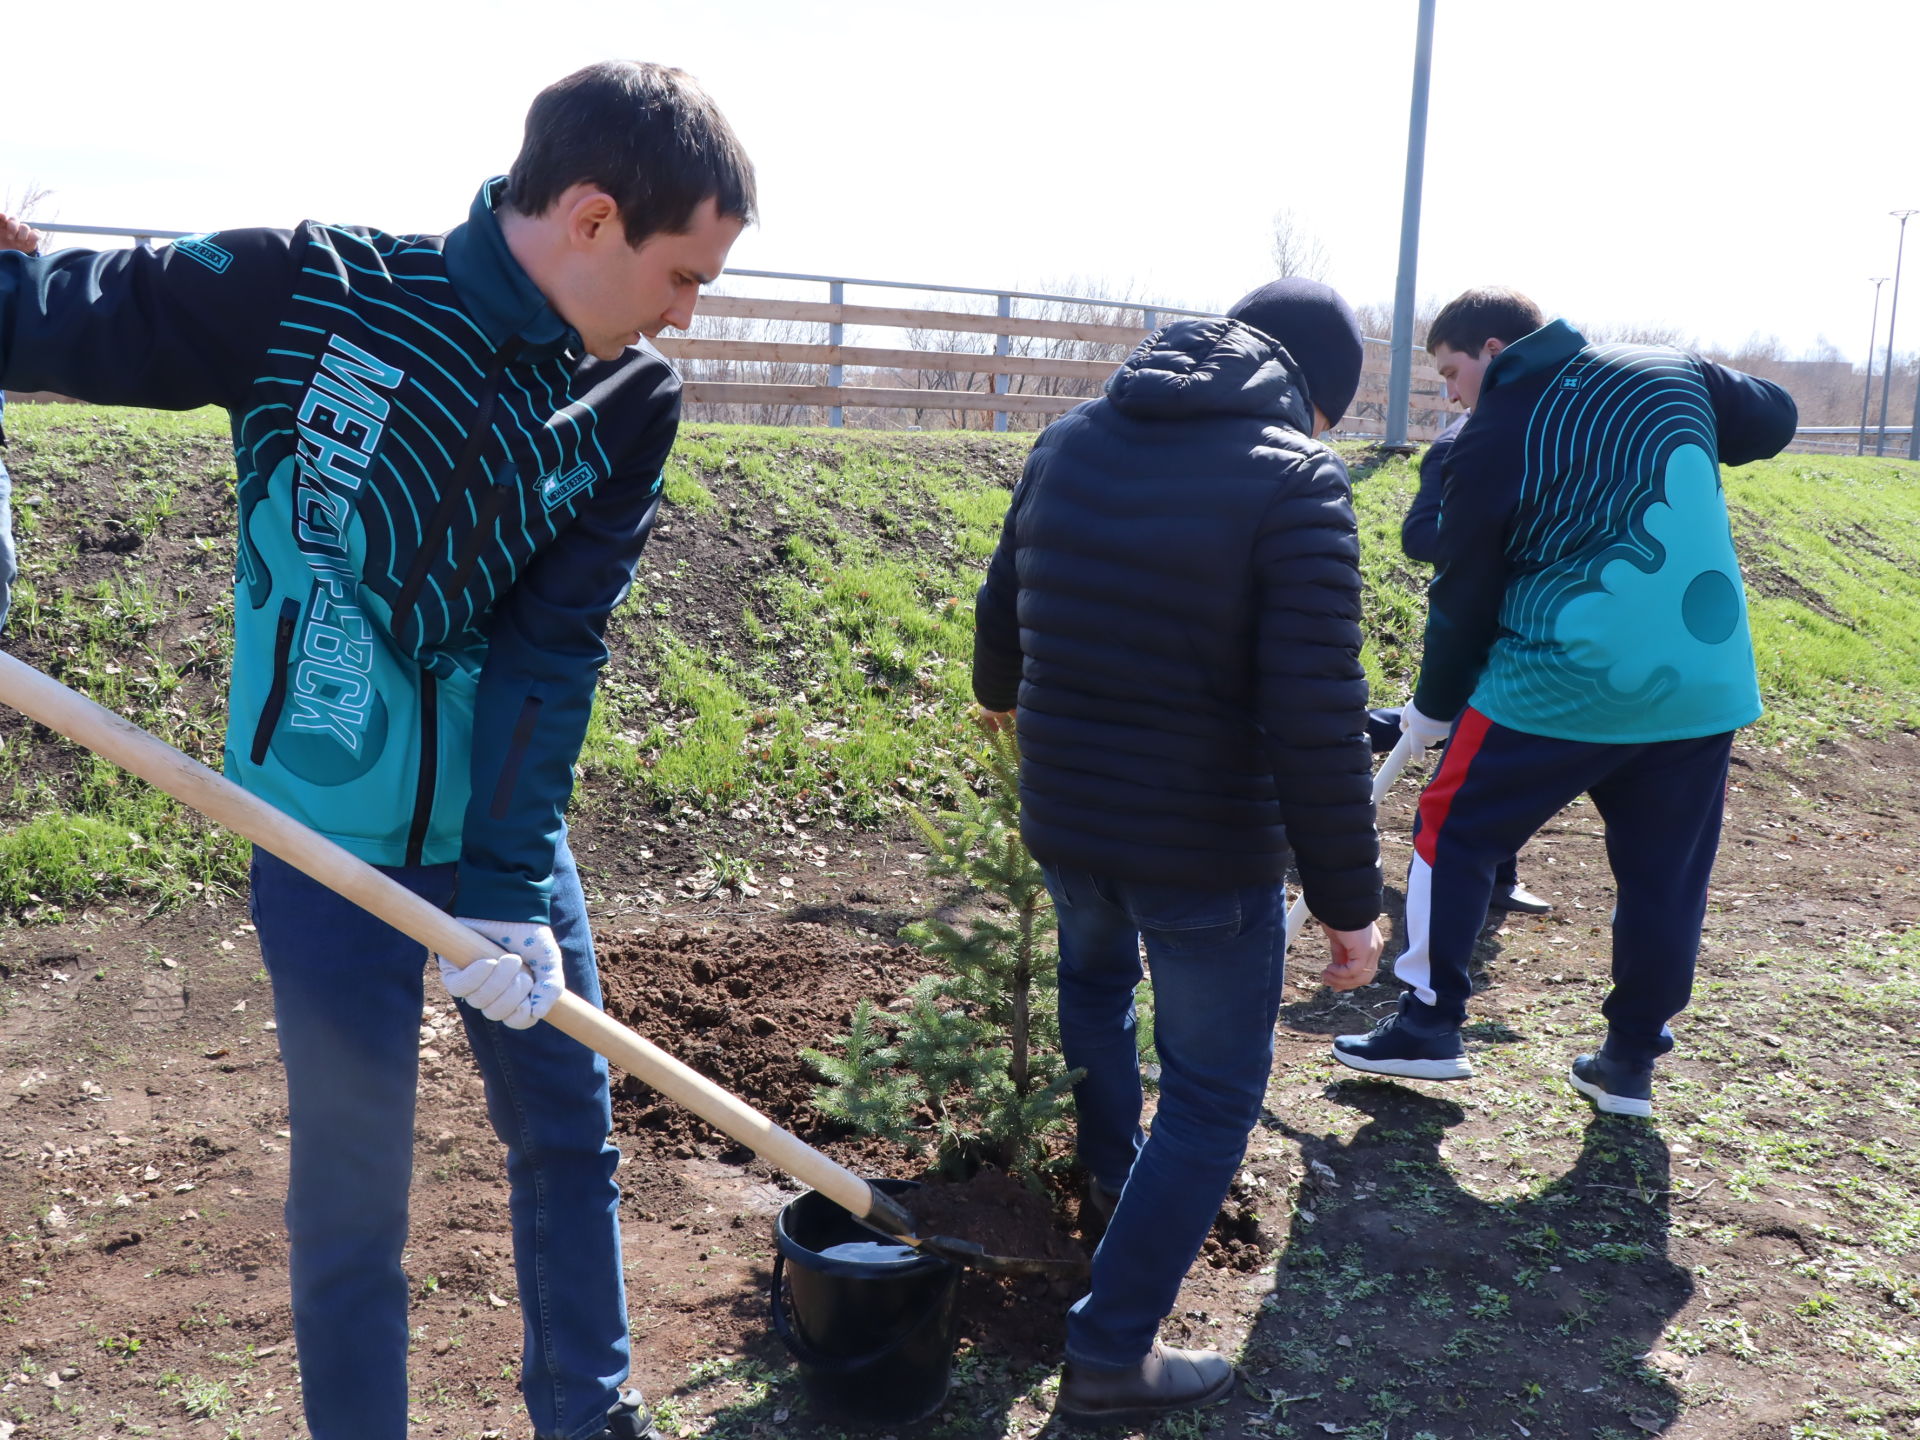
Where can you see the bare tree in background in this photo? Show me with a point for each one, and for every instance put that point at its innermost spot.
(727, 327)
(1636, 333)
(1104, 303)
(32, 196)
(964, 342)
(1296, 249)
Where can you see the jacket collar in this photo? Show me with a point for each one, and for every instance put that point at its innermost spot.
(1211, 367)
(496, 292)
(1545, 350)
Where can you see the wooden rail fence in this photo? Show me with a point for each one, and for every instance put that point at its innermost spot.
(992, 371)
(1064, 381)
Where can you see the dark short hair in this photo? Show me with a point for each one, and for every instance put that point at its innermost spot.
(646, 134)
(1492, 312)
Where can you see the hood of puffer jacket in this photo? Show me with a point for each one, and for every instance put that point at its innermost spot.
(1196, 368)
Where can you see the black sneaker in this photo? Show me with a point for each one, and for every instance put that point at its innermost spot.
(1394, 1047)
(1613, 1089)
(1519, 899)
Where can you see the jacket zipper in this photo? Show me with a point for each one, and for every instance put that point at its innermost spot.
(277, 691)
(407, 603)
(429, 767)
(486, 513)
(441, 521)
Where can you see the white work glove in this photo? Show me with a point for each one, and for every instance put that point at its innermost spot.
(1426, 732)
(517, 987)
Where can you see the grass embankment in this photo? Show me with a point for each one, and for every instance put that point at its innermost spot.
(796, 646)
(796, 650)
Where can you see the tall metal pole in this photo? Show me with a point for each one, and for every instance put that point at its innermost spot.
(1873, 335)
(1400, 377)
(1893, 315)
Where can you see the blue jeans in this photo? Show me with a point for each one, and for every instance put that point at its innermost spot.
(1217, 959)
(347, 992)
(1661, 803)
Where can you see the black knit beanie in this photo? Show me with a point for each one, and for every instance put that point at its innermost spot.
(1319, 331)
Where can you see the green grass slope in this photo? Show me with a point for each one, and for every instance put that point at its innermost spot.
(796, 644)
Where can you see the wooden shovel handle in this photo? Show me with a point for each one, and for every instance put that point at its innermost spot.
(220, 800)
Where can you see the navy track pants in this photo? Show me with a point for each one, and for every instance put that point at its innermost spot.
(1661, 803)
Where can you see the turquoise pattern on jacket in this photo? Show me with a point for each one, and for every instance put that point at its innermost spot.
(1626, 621)
(339, 705)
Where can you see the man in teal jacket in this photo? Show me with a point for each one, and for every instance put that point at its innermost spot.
(1586, 633)
(449, 453)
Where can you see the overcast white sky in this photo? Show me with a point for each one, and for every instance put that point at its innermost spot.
(1725, 166)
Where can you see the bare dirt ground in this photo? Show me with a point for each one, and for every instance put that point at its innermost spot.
(1396, 1260)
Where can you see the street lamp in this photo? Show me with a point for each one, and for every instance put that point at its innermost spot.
(1893, 315)
(1400, 367)
(1866, 392)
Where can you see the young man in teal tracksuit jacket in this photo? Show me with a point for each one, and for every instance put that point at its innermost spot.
(450, 453)
(1586, 633)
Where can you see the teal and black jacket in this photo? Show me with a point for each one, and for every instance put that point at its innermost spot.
(441, 499)
(1587, 587)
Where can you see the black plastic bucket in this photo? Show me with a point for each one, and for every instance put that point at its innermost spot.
(874, 1341)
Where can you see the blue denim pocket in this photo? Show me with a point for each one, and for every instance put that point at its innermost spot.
(1182, 916)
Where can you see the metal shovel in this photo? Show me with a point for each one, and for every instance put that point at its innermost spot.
(117, 739)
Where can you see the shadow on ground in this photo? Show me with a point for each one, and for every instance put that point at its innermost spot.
(1408, 1305)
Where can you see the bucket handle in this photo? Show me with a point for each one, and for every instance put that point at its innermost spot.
(819, 1359)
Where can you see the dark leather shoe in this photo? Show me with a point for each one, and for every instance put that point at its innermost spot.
(1096, 1210)
(1166, 1381)
(630, 1419)
(1520, 900)
(627, 1420)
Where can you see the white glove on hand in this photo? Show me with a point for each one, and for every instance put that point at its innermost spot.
(1426, 732)
(517, 987)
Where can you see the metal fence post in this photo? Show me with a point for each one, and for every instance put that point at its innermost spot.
(836, 332)
(1873, 336)
(1002, 345)
(1400, 376)
(1151, 319)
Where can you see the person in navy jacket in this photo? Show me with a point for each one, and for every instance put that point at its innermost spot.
(1586, 633)
(1173, 615)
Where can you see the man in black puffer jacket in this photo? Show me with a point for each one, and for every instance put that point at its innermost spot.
(1174, 609)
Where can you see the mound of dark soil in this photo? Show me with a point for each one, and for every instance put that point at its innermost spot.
(1022, 1317)
(995, 1212)
(738, 1005)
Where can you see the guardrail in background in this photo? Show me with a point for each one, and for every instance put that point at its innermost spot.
(995, 372)
(1842, 439)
